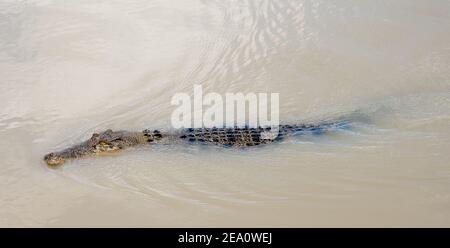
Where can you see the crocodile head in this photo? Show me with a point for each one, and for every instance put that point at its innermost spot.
(100, 143)
(54, 159)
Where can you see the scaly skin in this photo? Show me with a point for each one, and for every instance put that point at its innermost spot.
(245, 136)
(109, 140)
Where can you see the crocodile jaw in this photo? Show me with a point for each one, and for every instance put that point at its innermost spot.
(54, 160)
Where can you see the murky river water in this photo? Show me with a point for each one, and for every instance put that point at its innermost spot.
(69, 68)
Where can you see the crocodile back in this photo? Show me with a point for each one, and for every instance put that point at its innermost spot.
(246, 136)
(236, 136)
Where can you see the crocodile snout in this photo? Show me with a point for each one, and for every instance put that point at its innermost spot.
(53, 159)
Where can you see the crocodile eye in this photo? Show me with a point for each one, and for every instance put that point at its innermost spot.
(108, 132)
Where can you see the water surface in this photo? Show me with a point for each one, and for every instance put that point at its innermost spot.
(70, 68)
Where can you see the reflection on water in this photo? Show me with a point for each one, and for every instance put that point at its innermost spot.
(74, 67)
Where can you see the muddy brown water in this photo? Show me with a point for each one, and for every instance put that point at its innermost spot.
(70, 68)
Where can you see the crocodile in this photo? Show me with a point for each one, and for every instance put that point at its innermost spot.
(110, 141)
